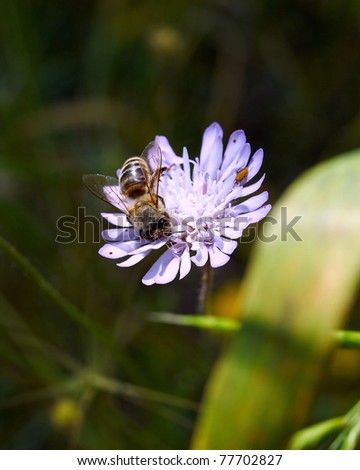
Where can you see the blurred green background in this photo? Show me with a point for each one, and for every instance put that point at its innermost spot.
(82, 87)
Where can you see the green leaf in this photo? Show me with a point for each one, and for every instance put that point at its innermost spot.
(295, 294)
(349, 437)
(313, 435)
(348, 428)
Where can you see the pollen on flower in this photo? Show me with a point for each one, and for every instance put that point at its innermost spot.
(206, 201)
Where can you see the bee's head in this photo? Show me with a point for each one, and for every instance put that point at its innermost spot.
(159, 229)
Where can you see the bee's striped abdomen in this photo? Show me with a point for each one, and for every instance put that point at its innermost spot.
(134, 177)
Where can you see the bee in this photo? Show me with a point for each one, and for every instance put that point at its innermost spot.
(136, 193)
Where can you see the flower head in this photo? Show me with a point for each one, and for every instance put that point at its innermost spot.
(204, 200)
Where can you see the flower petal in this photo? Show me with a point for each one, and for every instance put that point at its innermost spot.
(259, 214)
(211, 150)
(217, 257)
(168, 154)
(116, 219)
(226, 246)
(253, 187)
(187, 174)
(250, 204)
(254, 165)
(244, 156)
(227, 185)
(185, 264)
(112, 251)
(233, 149)
(146, 245)
(134, 259)
(164, 270)
(233, 232)
(120, 249)
(119, 234)
(201, 256)
(236, 193)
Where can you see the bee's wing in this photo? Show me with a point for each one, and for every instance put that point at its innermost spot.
(153, 155)
(106, 188)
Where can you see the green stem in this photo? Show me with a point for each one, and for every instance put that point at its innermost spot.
(350, 436)
(206, 322)
(311, 437)
(347, 339)
(205, 288)
(134, 391)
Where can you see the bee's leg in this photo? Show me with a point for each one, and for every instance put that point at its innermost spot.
(166, 168)
(157, 175)
(155, 179)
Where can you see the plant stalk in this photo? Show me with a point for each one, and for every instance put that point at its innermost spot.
(204, 295)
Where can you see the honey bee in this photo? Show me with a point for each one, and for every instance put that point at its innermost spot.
(135, 193)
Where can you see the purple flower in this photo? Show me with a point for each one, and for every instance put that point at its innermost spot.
(202, 198)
